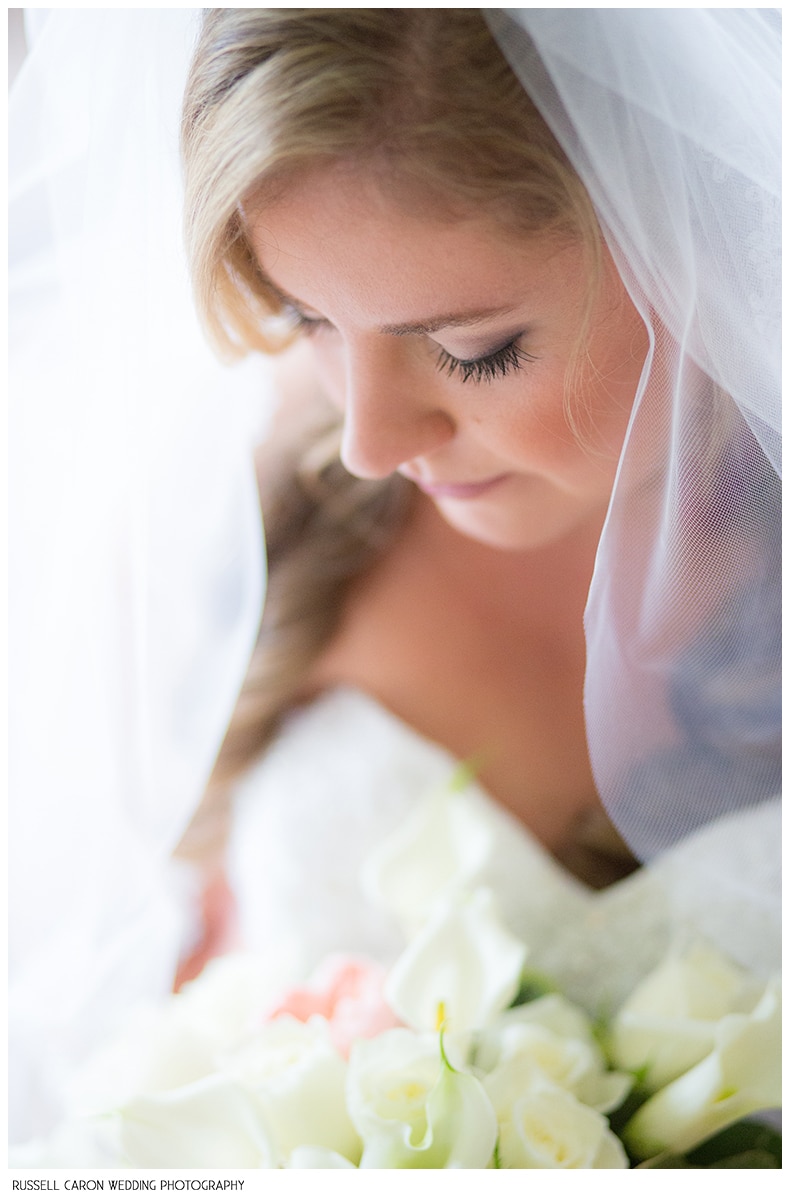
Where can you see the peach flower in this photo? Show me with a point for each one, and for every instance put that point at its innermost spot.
(349, 993)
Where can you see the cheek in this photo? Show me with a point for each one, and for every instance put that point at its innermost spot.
(532, 423)
(569, 433)
(617, 353)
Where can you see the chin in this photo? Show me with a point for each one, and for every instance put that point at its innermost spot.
(497, 534)
(508, 529)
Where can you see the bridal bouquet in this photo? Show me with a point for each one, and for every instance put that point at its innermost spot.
(456, 1057)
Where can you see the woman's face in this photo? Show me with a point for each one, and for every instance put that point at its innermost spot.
(446, 345)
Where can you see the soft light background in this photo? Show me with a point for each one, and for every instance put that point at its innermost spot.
(16, 42)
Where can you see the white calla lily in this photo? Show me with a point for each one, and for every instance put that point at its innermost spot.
(742, 1074)
(439, 851)
(413, 1110)
(669, 1022)
(463, 968)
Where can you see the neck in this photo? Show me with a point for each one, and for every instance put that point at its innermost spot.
(547, 585)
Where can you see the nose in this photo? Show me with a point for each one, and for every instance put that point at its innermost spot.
(392, 413)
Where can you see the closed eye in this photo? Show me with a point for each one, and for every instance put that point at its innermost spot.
(497, 365)
(502, 362)
(304, 324)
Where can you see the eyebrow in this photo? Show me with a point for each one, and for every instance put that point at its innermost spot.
(431, 324)
(447, 320)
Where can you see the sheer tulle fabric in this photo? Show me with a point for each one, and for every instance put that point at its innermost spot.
(671, 118)
(136, 550)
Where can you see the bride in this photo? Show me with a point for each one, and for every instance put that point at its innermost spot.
(538, 285)
(467, 319)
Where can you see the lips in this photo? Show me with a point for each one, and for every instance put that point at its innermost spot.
(457, 490)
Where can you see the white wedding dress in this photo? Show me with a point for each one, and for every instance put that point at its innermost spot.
(344, 774)
(136, 527)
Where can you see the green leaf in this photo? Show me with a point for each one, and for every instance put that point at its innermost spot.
(668, 1160)
(630, 1105)
(740, 1139)
(532, 986)
(744, 1145)
(755, 1159)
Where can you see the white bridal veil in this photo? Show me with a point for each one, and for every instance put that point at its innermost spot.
(136, 549)
(136, 552)
(672, 119)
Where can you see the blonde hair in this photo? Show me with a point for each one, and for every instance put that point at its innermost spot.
(324, 529)
(425, 100)
(422, 97)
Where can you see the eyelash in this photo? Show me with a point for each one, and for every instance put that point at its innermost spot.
(494, 366)
(497, 365)
(303, 324)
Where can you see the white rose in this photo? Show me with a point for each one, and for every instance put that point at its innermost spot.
(159, 1050)
(413, 1110)
(544, 1127)
(227, 998)
(535, 1054)
(172, 1044)
(741, 1075)
(307, 1156)
(669, 1022)
(298, 1081)
(554, 1012)
(75, 1144)
(436, 853)
(211, 1124)
(463, 967)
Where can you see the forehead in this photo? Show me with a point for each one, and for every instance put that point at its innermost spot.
(338, 236)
